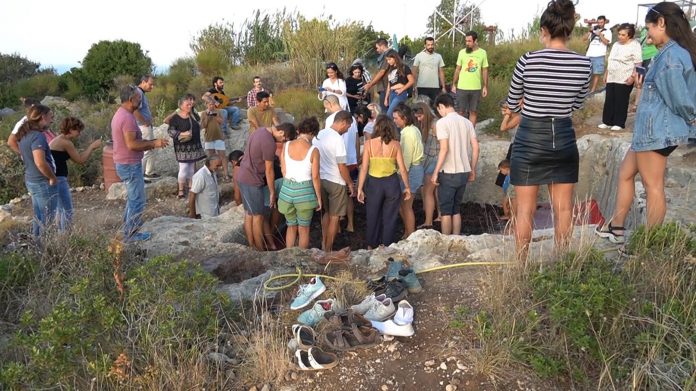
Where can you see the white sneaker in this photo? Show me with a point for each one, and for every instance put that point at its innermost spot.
(391, 328)
(616, 127)
(381, 310)
(367, 303)
(404, 313)
(603, 126)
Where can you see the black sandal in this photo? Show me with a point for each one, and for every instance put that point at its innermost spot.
(609, 232)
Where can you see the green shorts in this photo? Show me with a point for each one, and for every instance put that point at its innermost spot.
(297, 201)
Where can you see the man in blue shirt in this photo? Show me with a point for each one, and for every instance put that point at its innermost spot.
(143, 116)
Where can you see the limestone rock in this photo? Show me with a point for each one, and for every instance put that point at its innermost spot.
(6, 111)
(54, 101)
(157, 189)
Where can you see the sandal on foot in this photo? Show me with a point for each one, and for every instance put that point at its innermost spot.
(609, 232)
(180, 195)
(425, 226)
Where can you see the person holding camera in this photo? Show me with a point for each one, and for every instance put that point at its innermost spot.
(599, 38)
(624, 58)
(214, 141)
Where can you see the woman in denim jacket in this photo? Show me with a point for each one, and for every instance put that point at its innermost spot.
(666, 117)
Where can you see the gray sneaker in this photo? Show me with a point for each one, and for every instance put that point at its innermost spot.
(381, 310)
(367, 303)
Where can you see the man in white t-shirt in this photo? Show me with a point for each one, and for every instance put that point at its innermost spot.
(12, 139)
(599, 38)
(334, 176)
(204, 197)
(428, 70)
(454, 169)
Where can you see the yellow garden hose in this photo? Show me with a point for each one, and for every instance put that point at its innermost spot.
(300, 274)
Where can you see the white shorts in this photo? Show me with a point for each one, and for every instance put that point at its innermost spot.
(218, 145)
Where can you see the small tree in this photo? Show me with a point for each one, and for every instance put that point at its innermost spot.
(218, 39)
(106, 60)
(261, 38)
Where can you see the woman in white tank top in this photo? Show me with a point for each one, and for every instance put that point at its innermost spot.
(300, 194)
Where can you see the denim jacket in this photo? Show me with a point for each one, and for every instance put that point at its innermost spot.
(666, 114)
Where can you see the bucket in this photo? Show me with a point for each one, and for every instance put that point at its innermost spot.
(108, 167)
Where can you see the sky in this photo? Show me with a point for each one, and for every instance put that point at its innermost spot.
(59, 33)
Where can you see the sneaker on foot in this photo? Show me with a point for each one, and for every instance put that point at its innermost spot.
(236, 127)
(152, 176)
(138, 237)
(609, 232)
(404, 313)
(603, 126)
(314, 315)
(381, 310)
(307, 293)
(367, 303)
(616, 127)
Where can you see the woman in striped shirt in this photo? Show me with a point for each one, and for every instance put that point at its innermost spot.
(552, 82)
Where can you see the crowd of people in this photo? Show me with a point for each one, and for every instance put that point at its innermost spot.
(383, 152)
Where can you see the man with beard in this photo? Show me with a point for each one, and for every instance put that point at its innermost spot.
(599, 37)
(428, 70)
(470, 81)
(217, 91)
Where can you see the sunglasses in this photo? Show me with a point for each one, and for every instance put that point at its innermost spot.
(655, 11)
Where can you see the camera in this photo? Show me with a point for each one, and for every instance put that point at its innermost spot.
(212, 114)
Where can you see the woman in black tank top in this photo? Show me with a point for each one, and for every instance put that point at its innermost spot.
(63, 149)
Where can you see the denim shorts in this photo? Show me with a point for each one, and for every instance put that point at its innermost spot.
(253, 199)
(597, 65)
(415, 179)
(218, 145)
(450, 192)
(430, 163)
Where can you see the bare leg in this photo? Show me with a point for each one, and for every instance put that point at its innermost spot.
(428, 194)
(595, 81)
(456, 224)
(562, 205)
(408, 217)
(248, 230)
(291, 236)
(651, 166)
(324, 230)
(304, 236)
(223, 158)
(269, 242)
(526, 207)
(257, 226)
(626, 189)
(349, 215)
(446, 224)
(472, 117)
(332, 231)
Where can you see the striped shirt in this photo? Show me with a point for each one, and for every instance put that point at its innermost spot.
(549, 83)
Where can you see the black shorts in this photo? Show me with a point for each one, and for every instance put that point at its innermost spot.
(666, 151)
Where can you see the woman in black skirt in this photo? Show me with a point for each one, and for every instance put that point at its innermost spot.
(552, 82)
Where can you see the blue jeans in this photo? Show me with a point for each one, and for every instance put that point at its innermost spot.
(394, 100)
(132, 177)
(65, 205)
(227, 112)
(44, 201)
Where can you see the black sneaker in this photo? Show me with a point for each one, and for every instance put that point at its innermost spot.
(152, 176)
(394, 290)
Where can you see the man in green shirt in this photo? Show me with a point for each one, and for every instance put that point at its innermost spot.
(470, 81)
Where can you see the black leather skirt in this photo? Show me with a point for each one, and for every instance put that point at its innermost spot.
(544, 152)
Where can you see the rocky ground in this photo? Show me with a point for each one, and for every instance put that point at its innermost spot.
(443, 353)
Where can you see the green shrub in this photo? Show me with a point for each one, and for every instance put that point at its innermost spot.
(39, 85)
(164, 324)
(584, 299)
(300, 103)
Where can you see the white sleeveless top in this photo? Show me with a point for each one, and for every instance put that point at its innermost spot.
(298, 170)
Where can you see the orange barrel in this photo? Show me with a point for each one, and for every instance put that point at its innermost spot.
(108, 167)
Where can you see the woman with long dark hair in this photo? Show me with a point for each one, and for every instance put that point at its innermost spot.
(425, 121)
(666, 117)
(378, 183)
(39, 167)
(553, 82)
(400, 82)
(63, 149)
(334, 84)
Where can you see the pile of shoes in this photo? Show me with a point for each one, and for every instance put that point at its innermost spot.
(388, 300)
